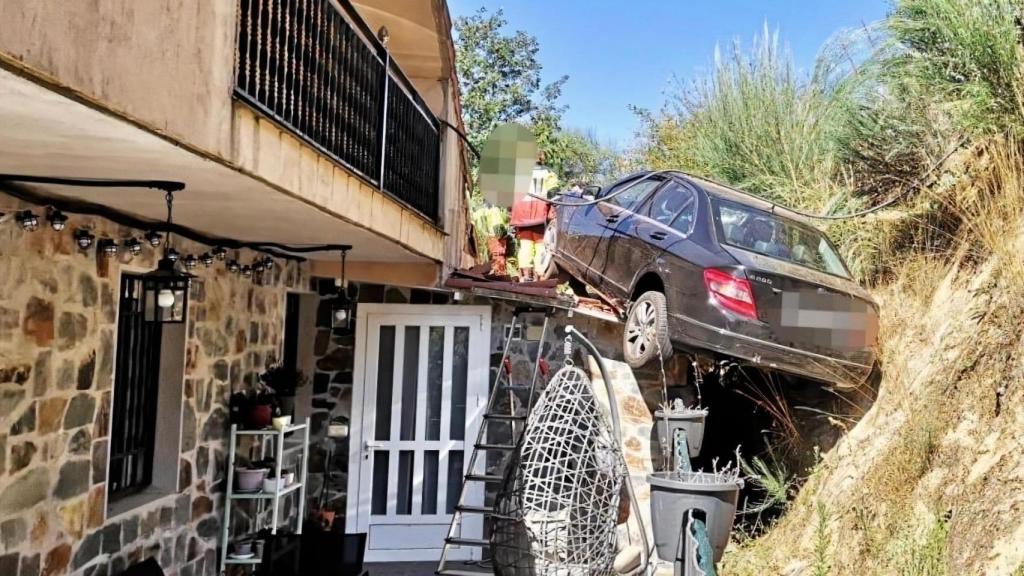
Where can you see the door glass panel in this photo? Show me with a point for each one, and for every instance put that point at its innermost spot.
(385, 381)
(429, 482)
(454, 480)
(405, 470)
(410, 383)
(379, 494)
(633, 193)
(460, 373)
(435, 365)
(669, 201)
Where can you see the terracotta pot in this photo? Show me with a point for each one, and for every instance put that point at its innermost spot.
(260, 415)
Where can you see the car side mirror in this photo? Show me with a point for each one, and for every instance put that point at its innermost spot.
(591, 192)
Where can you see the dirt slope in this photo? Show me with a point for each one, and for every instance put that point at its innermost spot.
(931, 480)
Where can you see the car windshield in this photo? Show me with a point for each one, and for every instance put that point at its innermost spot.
(778, 237)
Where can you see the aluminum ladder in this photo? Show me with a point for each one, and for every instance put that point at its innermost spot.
(513, 415)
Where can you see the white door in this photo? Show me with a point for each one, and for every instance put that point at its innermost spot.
(420, 386)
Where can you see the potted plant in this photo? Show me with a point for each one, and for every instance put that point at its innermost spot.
(675, 415)
(284, 382)
(252, 409)
(712, 494)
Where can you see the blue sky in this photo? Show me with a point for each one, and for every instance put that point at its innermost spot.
(618, 53)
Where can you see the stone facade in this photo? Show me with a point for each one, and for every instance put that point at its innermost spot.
(334, 351)
(58, 308)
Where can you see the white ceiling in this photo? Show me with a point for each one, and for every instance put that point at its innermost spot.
(43, 133)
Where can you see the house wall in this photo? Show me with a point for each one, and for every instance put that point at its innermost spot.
(58, 311)
(169, 64)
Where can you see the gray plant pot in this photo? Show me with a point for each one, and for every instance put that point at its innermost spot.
(673, 495)
(690, 420)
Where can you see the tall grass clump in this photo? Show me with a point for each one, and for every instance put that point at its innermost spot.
(754, 123)
(964, 55)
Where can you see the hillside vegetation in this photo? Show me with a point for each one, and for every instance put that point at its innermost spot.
(925, 110)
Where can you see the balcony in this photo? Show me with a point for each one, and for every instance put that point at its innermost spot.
(313, 67)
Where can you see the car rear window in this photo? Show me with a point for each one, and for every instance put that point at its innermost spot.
(777, 237)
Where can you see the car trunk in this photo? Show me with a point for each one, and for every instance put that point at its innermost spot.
(810, 310)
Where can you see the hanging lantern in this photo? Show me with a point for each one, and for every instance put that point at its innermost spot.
(343, 306)
(165, 293)
(84, 238)
(58, 220)
(165, 290)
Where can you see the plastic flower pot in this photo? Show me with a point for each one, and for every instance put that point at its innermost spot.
(690, 420)
(250, 479)
(674, 494)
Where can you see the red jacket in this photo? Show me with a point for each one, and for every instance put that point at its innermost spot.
(528, 212)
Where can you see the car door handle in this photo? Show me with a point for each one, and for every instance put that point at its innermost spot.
(658, 235)
(611, 219)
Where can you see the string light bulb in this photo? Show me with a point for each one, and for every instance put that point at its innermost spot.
(84, 238)
(108, 247)
(154, 238)
(206, 258)
(133, 246)
(190, 261)
(220, 253)
(28, 221)
(58, 220)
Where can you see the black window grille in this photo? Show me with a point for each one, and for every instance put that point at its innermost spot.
(136, 380)
(305, 64)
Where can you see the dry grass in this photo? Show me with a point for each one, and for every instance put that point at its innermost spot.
(929, 482)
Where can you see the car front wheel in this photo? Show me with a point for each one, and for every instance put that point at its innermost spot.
(547, 268)
(646, 334)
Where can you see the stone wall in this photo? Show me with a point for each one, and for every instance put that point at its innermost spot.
(57, 351)
(334, 351)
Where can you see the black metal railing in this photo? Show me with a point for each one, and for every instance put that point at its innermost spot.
(314, 67)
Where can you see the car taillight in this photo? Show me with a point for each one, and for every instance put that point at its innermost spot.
(732, 293)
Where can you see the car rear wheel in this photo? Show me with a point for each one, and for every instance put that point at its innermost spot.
(548, 269)
(646, 332)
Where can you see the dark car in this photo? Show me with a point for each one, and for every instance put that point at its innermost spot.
(703, 267)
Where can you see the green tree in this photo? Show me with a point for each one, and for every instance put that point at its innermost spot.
(499, 78)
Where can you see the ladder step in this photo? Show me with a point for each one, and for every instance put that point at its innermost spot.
(483, 478)
(495, 447)
(464, 572)
(506, 417)
(458, 541)
(475, 509)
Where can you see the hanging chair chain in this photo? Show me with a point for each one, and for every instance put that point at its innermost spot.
(567, 350)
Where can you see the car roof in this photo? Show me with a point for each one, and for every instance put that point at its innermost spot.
(740, 197)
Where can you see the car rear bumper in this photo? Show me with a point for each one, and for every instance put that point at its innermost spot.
(694, 333)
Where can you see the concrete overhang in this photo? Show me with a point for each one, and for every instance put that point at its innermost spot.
(47, 133)
(420, 34)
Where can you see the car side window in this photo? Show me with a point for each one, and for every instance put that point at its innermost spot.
(633, 195)
(674, 205)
